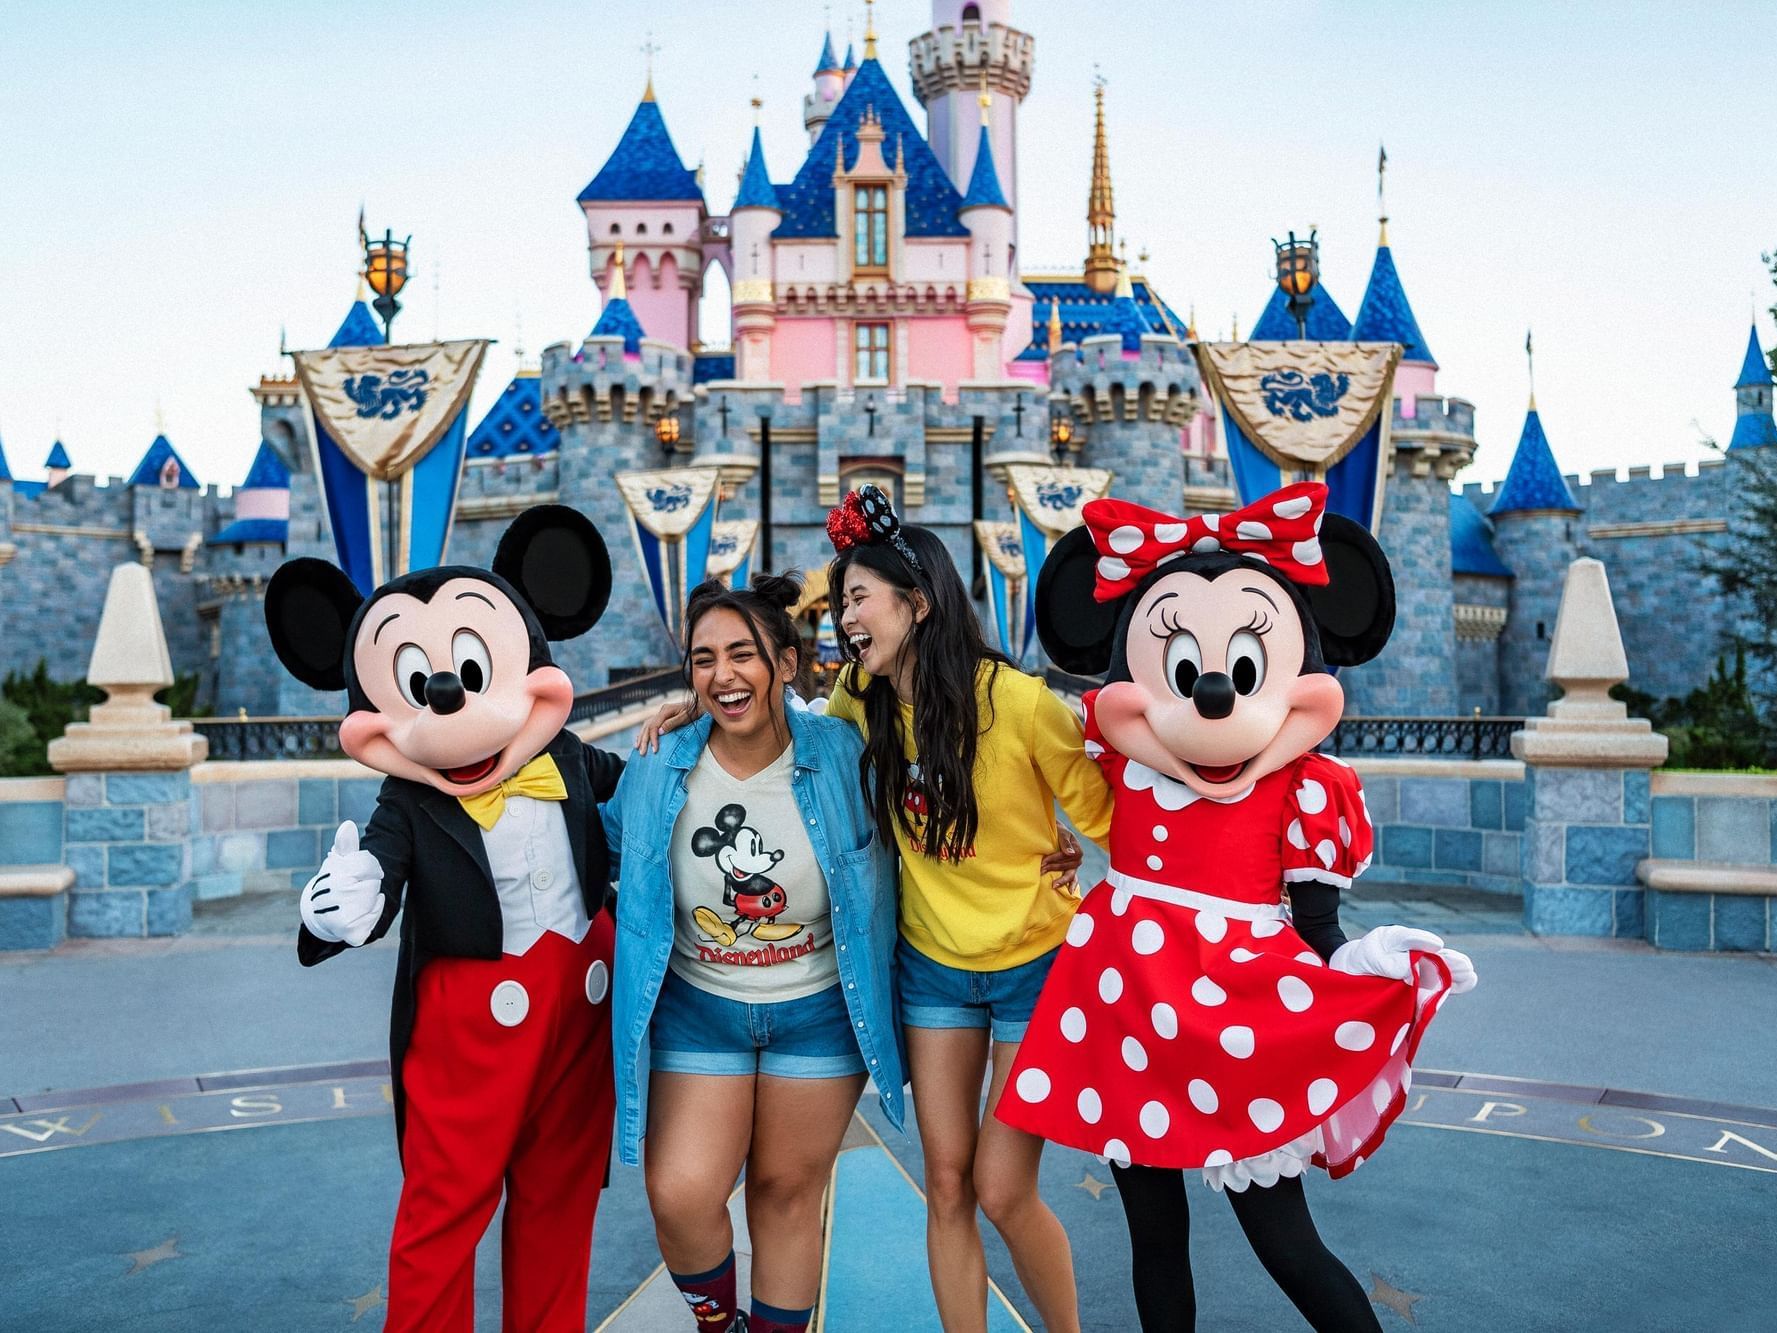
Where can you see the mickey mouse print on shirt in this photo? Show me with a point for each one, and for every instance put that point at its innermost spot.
(751, 910)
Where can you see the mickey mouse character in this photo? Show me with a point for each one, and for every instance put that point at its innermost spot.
(758, 900)
(1194, 1021)
(500, 1042)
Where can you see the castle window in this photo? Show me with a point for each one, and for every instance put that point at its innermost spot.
(666, 229)
(616, 229)
(870, 219)
(1541, 629)
(872, 344)
(641, 229)
(971, 13)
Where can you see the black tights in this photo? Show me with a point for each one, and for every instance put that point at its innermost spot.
(1277, 1226)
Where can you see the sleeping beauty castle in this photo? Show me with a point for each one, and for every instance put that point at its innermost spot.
(887, 328)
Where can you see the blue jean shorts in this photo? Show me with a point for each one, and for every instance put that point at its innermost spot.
(935, 995)
(695, 1031)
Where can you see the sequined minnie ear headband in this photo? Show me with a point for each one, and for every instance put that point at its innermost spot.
(866, 518)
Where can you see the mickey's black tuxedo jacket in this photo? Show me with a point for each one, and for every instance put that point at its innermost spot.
(432, 856)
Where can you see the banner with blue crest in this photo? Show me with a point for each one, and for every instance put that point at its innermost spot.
(389, 439)
(1047, 502)
(731, 551)
(672, 516)
(1307, 411)
(1012, 612)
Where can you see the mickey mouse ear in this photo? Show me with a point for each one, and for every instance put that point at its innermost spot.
(309, 605)
(1354, 612)
(557, 561)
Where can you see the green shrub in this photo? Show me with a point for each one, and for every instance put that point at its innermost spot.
(1717, 725)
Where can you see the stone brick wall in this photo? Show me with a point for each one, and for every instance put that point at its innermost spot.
(1726, 819)
(1455, 822)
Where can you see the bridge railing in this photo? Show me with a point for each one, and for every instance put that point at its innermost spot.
(261, 738)
(1474, 737)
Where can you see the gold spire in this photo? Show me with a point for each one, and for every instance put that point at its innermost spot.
(1054, 324)
(1381, 206)
(1236, 335)
(1101, 212)
(649, 49)
(618, 289)
(869, 30)
(1530, 360)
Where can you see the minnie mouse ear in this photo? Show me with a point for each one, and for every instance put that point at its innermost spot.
(1355, 610)
(878, 513)
(557, 561)
(1076, 629)
(309, 606)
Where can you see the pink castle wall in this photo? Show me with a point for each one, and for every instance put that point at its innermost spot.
(262, 502)
(1413, 379)
(664, 307)
(801, 351)
(941, 350)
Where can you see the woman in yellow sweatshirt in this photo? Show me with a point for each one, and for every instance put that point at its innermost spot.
(965, 757)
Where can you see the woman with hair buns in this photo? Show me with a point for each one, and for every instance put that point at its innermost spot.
(754, 994)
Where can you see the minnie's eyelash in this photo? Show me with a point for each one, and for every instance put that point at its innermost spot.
(1169, 623)
(1260, 623)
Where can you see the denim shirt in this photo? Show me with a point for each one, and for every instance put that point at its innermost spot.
(861, 882)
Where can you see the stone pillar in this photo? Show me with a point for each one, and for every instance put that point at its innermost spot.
(1588, 813)
(130, 816)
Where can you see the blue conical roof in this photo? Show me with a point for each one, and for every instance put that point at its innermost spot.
(1385, 316)
(1326, 322)
(617, 320)
(153, 462)
(1754, 430)
(1125, 318)
(931, 200)
(1755, 371)
(268, 472)
(850, 62)
(358, 329)
(828, 61)
(984, 181)
(1533, 481)
(756, 189)
(1471, 541)
(644, 165)
(58, 456)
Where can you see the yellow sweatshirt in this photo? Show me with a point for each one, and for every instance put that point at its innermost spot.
(994, 910)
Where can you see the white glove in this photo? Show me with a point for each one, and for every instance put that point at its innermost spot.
(1385, 952)
(1462, 970)
(344, 901)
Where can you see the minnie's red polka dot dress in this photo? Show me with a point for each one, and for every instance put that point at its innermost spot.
(1185, 1023)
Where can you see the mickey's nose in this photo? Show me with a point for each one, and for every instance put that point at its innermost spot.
(1213, 694)
(444, 692)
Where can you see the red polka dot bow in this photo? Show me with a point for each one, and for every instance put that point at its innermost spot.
(1282, 529)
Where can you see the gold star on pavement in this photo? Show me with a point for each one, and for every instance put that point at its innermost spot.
(1092, 1185)
(140, 1259)
(363, 1305)
(1383, 1292)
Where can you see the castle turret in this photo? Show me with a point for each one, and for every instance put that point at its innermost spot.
(1386, 315)
(751, 221)
(851, 65)
(162, 467)
(644, 198)
(1534, 532)
(972, 48)
(1753, 423)
(830, 80)
(358, 329)
(988, 217)
(618, 318)
(57, 465)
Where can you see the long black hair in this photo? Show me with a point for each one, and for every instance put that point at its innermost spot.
(765, 607)
(949, 651)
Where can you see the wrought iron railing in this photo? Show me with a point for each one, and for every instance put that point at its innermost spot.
(318, 737)
(270, 737)
(626, 694)
(1473, 737)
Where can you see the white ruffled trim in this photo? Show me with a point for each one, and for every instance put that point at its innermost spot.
(1291, 1160)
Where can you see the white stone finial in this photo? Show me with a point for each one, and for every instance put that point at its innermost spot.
(130, 663)
(1585, 727)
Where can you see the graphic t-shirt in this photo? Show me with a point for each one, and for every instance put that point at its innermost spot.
(751, 914)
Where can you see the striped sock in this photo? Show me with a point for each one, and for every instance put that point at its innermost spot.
(771, 1319)
(710, 1295)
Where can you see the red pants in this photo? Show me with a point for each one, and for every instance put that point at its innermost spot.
(509, 1086)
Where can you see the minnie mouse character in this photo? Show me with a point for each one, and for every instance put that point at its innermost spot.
(500, 1042)
(1195, 1021)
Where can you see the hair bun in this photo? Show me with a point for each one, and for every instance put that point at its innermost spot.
(779, 590)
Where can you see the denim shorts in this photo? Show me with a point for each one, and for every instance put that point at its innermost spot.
(695, 1031)
(934, 995)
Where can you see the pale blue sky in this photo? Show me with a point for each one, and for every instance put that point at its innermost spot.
(177, 180)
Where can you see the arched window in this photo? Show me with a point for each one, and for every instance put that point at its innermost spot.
(641, 229)
(666, 229)
(616, 229)
(971, 13)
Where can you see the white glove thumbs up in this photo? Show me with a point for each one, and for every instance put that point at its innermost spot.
(344, 902)
(345, 839)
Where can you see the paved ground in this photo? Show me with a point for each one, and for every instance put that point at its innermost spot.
(1590, 1145)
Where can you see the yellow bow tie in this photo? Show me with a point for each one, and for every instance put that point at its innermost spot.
(540, 780)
